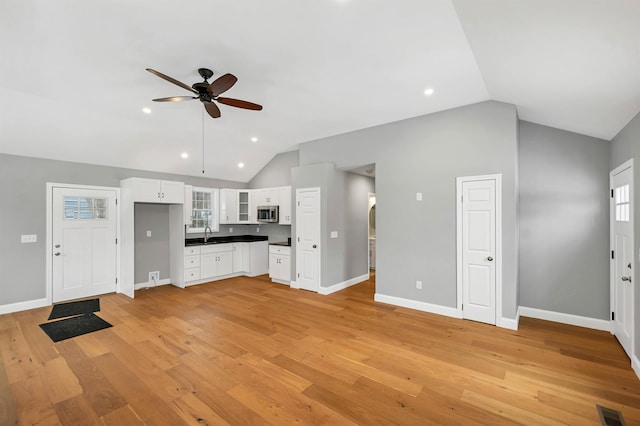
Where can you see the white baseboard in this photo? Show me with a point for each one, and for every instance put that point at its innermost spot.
(343, 284)
(294, 284)
(510, 323)
(635, 364)
(420, 306)
(597, 324)
(277, 281)
(150, 284)
(23, 306)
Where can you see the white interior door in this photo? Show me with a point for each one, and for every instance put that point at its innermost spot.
(479, 250)
(622, 262)
(308, 238)
(84, 231)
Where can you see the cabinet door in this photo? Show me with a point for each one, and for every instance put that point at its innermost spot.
(228, 206)
(284, 201)
(188, 204)
(225, 263)
(208, 265)
(172, 192)
(146, 191)
(246, 257)
(273, 266)
(245, 202)
(285, 268)
(237, 257)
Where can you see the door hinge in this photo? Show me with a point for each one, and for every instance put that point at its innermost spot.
(298, 274)
(116, 281)
(613, 316)
(298, 203)
(116, 241)
(612, 193)
(462, 199)
(116, 201)
(462, 307)
(612, 255)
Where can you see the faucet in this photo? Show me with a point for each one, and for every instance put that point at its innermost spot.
(206, 237)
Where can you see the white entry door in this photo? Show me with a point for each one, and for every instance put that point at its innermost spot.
(308, 238)
(622, 262)
(84, 230)
(479, 250)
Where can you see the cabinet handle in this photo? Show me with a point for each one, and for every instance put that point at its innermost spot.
(163, 195)
(158, 195)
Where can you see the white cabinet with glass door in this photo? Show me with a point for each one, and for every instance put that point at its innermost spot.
(246, 207)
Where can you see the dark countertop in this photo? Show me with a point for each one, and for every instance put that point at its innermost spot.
(223, 240)
(282, 243)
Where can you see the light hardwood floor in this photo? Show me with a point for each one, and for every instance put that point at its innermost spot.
(245, 351)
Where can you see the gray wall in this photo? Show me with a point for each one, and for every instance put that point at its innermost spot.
(625, 146)
(23, 211)
(564, 221)
(277, 172)
(151, 253)
(416, 240)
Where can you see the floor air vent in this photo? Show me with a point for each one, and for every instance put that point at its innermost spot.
(609, 417)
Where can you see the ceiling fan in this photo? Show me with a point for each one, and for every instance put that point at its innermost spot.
(208, 93)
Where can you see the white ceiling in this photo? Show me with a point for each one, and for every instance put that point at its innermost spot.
(73, 80)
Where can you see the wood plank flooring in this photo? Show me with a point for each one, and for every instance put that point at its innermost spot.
(245, 351)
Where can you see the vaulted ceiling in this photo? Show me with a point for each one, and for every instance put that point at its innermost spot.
(73, 82)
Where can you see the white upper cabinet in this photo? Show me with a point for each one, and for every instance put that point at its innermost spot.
(284, 198)
(266, 197)
(247, 212)
(228, 206)
(157, 191)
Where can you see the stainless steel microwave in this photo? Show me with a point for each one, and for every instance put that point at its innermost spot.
(268, 214)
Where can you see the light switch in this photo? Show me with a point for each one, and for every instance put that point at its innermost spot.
(148, 233)
(28, 238)
(418, 196)
(334, 234)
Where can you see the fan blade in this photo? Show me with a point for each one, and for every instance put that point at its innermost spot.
(172, 80)
(175, 99)
(239, 103)
(212, 109)
(222, 84)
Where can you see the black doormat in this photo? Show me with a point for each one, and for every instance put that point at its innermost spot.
(70, 309)
(75, 326)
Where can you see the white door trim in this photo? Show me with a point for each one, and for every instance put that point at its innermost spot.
(459, 181)
(49, 233)
(612, 279)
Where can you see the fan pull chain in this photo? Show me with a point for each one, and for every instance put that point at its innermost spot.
(203, 141)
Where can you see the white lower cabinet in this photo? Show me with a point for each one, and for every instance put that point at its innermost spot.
(280, 264)
(216, 260)
(207, 262)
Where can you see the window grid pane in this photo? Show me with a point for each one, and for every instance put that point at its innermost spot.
(622, 203)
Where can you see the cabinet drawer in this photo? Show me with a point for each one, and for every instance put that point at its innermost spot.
(191, 274)
(280, 250)
(216, 248)
(191, 262)
(190, 251)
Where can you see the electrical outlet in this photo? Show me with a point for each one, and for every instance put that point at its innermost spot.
(28, 238)
(154, 277)
(418, 196)
(148, 233)
(419, 285)
(230, 230)
(334, 234)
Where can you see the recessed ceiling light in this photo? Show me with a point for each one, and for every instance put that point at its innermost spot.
(240, 165)
(146, 110)
(428, 91)
(254, 139)
(184, 155)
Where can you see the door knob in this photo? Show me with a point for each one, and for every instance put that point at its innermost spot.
(315, 246)
(626, 279)
(57, 253)
(489, 258)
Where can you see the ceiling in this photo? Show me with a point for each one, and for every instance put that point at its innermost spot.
(73, 80)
